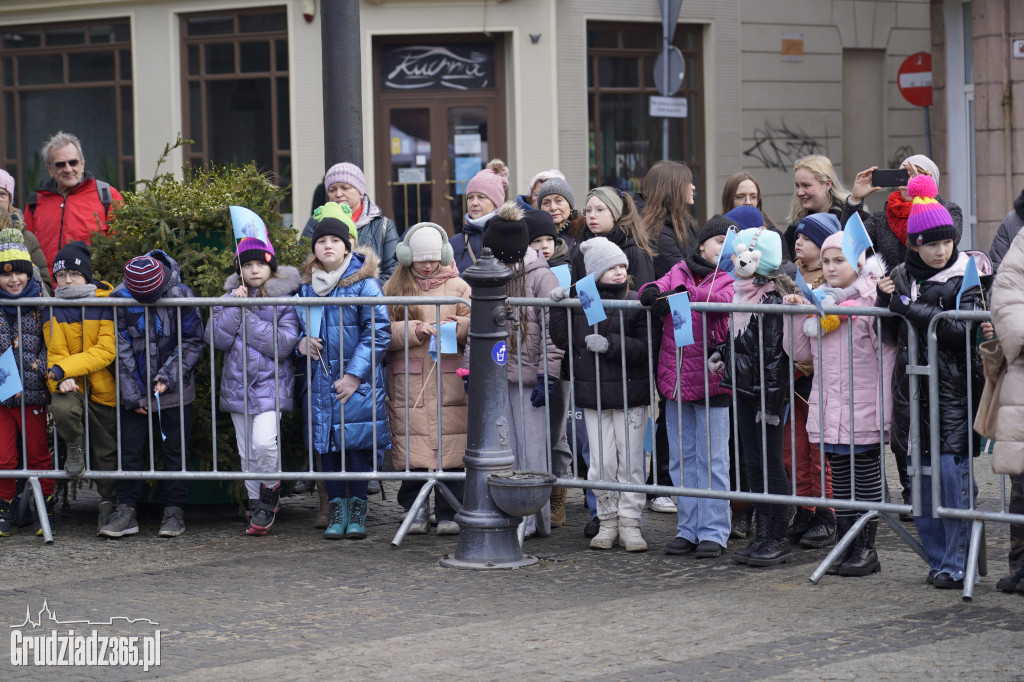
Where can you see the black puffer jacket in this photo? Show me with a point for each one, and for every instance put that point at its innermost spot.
(638, 366)
(748, 363)
(934, 296)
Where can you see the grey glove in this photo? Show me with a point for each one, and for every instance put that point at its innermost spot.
(558, 293)
(838, 295)
(769, 419)
(715, 363)
(596, 343)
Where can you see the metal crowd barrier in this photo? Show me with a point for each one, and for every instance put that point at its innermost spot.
(570, 477)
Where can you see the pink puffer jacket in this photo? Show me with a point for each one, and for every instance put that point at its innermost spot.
(832, 370)
(715, 288)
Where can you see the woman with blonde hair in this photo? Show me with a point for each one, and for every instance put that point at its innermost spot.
(818, 190)
(665, 203)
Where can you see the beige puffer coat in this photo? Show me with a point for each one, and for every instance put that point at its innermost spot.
(1004, 414)
(421, 393)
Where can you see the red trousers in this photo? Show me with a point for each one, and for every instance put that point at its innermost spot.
(807, 470)
(34, 434)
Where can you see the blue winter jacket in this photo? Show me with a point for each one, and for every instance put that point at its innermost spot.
(365, 415)
(472, 235)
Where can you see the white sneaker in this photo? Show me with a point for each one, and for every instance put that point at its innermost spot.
(605, 538)
(665, 505)
(419, 525)
(448, 527)
(631, 539)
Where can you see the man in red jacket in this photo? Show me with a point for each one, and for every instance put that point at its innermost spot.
(72, 204)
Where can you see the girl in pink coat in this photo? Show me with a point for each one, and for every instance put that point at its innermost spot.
(696, 409)
(851, 441)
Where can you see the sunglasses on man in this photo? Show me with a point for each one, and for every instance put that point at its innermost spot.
(71, 163)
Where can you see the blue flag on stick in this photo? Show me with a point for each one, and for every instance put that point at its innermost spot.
(971, 279)
(449, 342)
(855, 240)
(562, 273)
(10, 377)
(725, 255)
(682, 319)
(808, 293)
(245, 223)
(586, 289)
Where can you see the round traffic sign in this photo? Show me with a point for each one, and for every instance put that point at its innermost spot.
(915, 79)
(676, 69)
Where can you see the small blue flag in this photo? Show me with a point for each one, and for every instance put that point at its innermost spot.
(971, 279)
(808, 293)
(682, 320)
(855, 240)
(586, 289)
(316, 316)
(725, 255)
(449, 342)
(652, 427)
(10, 377)
(245, 223)
(562, 273)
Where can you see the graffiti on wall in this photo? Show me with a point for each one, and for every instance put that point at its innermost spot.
(779, 146)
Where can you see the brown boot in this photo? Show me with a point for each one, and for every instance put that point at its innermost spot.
(558, 507)
(322, 517)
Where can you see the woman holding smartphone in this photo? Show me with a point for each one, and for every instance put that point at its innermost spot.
(888, 227)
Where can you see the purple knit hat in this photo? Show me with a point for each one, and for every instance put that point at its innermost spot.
(251, 248)
(348, 173)
(929, 220)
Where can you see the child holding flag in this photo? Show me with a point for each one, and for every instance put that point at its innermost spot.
(695, 414)
(23, 391)
(607, 355)
(932, 280)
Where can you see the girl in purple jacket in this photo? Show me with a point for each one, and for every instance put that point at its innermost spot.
(249, 387)
(697, 406)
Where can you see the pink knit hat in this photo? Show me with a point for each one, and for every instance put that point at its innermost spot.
(348, 173)
(492, 182)
(7, 183)
(929, 220)
(835, 241)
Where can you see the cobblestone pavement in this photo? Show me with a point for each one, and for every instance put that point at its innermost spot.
(294, 606)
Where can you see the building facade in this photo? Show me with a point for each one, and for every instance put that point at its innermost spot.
(449, 84)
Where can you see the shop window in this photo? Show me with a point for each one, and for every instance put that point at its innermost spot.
(235, 90)
(624, 140)
(75, 77)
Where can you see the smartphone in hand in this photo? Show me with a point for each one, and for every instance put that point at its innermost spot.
(890, 177)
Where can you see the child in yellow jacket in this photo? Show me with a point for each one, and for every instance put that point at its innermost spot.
(81, 346)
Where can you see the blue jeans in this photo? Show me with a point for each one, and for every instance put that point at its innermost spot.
(355, 461)
(700, 518)
(946, 541)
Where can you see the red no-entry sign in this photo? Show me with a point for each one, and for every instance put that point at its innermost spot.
(915, 79)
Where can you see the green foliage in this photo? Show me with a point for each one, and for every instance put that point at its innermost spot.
(190, 220)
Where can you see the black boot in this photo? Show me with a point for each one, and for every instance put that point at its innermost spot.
(801, 524)
(843, 525)
(775, 549)
(762, 521)
(822, 531)
(265, 511)
(863, 559)
(741, 522)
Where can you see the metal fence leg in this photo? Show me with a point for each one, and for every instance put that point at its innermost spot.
(977, 533)
(841, 546)
(897, 527)
(407, 521)
(448, 495)
(44, 521)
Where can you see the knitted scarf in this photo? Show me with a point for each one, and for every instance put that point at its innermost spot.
(325, 282)
(920, 271)
(434, 280)
(699, 266)
(896, 213)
